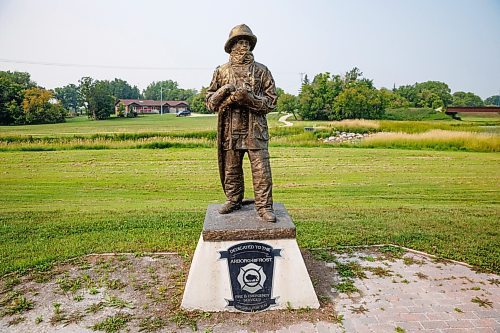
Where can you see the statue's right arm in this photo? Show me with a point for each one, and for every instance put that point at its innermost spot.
(216, 94)
(211, 90)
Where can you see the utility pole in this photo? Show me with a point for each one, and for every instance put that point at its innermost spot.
(302, 77)
(161, 99)
(301, 81)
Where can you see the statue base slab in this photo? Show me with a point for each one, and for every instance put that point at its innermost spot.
(242, 263)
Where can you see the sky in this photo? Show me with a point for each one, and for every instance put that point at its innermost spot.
(391, 42)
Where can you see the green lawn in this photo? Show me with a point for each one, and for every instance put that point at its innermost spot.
(142, 124)
(169, 123)
(60, 204)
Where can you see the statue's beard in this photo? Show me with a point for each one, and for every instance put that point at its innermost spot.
(240, 56)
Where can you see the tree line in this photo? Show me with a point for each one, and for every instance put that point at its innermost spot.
(347, 96)
(326, 97)
(22, 101)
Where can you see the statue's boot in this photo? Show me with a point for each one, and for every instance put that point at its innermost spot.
(229, 207)
(267, 215)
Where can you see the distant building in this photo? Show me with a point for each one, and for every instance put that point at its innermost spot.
(454, 110)
(147, 106)
(481, 109)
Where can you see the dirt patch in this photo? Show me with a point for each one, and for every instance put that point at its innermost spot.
(114, 293)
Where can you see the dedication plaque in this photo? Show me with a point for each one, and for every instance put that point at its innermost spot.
(251, 268)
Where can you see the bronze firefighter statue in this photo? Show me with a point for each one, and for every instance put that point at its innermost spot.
(242, 92)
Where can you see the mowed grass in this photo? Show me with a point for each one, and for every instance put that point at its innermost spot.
(60, 204)
(143, 124)
(154, 123)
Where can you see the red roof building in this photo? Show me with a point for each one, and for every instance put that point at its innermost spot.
(148, 106)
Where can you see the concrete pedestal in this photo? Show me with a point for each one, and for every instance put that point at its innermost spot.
(244, 264)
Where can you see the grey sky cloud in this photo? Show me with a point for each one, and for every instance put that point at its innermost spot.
(392, 42)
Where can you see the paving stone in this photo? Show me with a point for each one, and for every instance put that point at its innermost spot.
(410, 326)
(459, 323)
(283, 330)
(434, 324)
(420, 309)
(302, 328)
(484, 322)
(427, 305)
(439, 316)
(366, 320)
(323, 327)
(486, 330)
(413, 317)
(487, 314)
(469, 306)
(389, 318)
(380, 328)
(348, 325)
(361, 328)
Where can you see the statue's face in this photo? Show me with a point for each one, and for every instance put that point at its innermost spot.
(241, 44)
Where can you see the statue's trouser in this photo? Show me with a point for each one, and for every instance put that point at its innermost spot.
(261, 175)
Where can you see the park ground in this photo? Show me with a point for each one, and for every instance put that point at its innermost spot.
(363, 289)
(143, 185)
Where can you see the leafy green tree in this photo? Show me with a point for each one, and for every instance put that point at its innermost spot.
(492, 100)
(22, 79)
(121, 89)
(432, 94)
(197, 102)
(279, 92)
(288, 103)
(121, 110)
(440, 89)
(15, 112)
(102, 102)
(354, 77)
(38, 107)
(316, 98)
(99, 102)
(461, 98)
(12, 86)
(171, 91)
(408, 92)
(69, 96)
(393, 99)
(359, 101)
(429, 99)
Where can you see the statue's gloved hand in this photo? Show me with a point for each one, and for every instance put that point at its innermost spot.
(225, 103)
(221, 94)
(228, 88)
(243, 97)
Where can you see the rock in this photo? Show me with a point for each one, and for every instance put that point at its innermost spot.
(341, 137)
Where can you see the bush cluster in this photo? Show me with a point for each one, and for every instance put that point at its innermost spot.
(22, 102)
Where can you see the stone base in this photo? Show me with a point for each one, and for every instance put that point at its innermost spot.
(250, 274)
